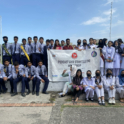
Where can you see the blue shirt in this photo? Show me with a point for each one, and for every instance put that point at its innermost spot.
(8, 71)
(30, 51)
(15, 48)
(8, 47)
(27, 49)
(2, 74)
(42, 48)
(35, 47)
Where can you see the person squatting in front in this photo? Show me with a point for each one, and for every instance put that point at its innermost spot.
(67, 86)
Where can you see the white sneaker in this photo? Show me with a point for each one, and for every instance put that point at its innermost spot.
(110, 101)
(113, 101)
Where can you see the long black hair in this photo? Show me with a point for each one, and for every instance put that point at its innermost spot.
(81, 77)
(100, 75)
(120, 51)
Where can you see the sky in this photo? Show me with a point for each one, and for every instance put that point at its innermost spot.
(61, 19)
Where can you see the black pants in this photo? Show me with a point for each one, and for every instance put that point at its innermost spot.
(77, 92)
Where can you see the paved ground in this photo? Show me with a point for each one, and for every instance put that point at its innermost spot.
(25, 115)
(35, 110)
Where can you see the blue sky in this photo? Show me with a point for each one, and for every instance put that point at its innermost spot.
(61, 19)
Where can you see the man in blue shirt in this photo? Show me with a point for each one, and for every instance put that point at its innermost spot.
(16, 50)
(29, 44)
(6, 49)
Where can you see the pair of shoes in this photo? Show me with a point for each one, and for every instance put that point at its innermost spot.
(33, 92)
(14, 94)
(86, 99)
(62, 95)
(11, 92)
(5, 91)
(37, 93)
(23, 94)
(45, 93)
(28, 92)
(91, 99)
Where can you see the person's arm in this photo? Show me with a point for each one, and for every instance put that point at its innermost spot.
(14, 75)
(10, 74)
(26, 72)
(37, 74)
(65, 74)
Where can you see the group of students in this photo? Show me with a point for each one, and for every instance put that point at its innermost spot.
(19, 73)
(99, 84)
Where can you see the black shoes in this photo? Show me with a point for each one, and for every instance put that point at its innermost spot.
(28, 92)
(14, 94)
(91, 99)
(45, 93)
(23, 94)
(5, 91)
(37, 93)
(87, 100)
(33, 92)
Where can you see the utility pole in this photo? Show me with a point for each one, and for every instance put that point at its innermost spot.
(110, 20)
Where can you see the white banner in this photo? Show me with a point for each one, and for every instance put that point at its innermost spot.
(59, 60)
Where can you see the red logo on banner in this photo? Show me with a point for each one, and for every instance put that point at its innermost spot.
(74, 55)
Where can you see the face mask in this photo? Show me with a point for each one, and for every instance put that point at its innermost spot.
(88, 75)
(67, 43)
(108, 74)
(5, 41)
(97, 74)
(84, 44)
(122, 75)
(78, 43)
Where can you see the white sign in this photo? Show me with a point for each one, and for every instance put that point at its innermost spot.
(59, 60)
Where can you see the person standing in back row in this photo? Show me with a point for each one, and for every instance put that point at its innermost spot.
(16, 50)
(36, 51)
(29, 44)
(6, 50)
(68, 46)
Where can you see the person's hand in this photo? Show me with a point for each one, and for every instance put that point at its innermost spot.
(5, 78)
(29, 76)
(110, 60)
(23, 75)
(92, 87)
(99, 86)
(45, 75)
(48, 48)
(79, 49)
(64, 71)
(107, 60)
(42, 81)
(77, 88)
(39, 49)
(32, 78)
(111, 87)
(17, 71)
(84, 86)
(122, 54)
(93, 47)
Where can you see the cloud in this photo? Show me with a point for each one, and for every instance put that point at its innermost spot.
(108, 12)
(101, 32)
(109, 1)
(95, 20)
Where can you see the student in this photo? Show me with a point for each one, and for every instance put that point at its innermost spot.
(85, 46)
(41, 40)
(67, 86)
(51, 44)
(57, 45)
(77, 85)
(117, 59)
(30, 72)
(36, 51)
(68, 46)
(94, 42)
(99, 87)
(109, 85)
(25, 53)
(109, 56)
(89, 86)
(120, 85)
(62, 43)
(41, 73)
(18, 73)
(8, 73)
(46, 47)
(78, 44)
(29, 44)
(16, 50)
(92, 46)
(102, 47)
(2, 79)
(6, 50)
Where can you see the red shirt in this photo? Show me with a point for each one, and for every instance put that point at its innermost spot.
(68, 47)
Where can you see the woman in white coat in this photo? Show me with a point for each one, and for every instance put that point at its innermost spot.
(120, 85)
(109, 86)
(99, 87)
(109, 56)
(117, 59)
(70, 74)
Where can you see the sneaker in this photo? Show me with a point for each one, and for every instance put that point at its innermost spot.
(99, 101)
(110, 101)
(103, 103)
(91, 99)
(113, 101)
(87, 100)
